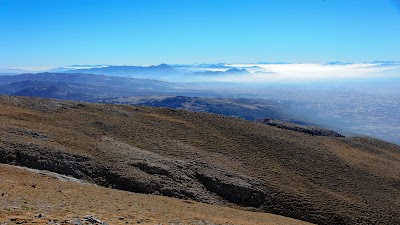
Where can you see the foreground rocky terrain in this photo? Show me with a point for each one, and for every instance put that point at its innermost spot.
(39, 197)
(206, 158)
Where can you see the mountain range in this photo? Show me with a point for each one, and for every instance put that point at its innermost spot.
(146, 72)
(135, 91)
(78, 86)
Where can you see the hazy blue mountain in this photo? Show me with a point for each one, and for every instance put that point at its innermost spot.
(368, 107)
(148, 72)
(74, 67)
(337, 63)
(89, 79)
(66, 91)
(79, 86)
(215, 66)
(166, 72)
(8, 74)
(46, 89)
(233, 71)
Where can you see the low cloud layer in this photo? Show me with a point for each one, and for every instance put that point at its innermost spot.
(310, 72)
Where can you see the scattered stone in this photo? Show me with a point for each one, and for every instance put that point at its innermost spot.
(92, 219)
(40, 215)
(75, 222)
(19, 220)
(121, 218)
(53, 222)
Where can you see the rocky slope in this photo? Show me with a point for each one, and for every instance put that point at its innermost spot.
(207, 158)
(39, 197)
(313, 130)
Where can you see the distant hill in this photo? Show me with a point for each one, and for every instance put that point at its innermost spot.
(165, 72)
(146, 72)
(80, 87)
(249, 109)
(206, 157)
(110, 89)
(73, 67)
(60, 90)
(89, 79)
(232, 71)
(336, 63)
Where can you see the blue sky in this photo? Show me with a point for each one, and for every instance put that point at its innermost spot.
(136, 32)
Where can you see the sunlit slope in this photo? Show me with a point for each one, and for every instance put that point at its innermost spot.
(37, 198)
(205, 157)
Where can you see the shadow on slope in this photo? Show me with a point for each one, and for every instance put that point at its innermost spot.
(208, 158)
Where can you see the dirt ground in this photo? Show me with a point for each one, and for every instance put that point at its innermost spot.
(28, 197)
(205, 157)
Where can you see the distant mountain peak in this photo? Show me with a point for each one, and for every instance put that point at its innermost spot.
(164, 66)
(235, 70)
(337, 63)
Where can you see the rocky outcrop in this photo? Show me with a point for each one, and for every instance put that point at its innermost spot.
(205, 157)
(43, 158)
(143, 172)
(317, 131)
(232, 188)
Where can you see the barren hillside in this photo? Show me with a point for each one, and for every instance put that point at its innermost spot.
(207, 158)
(40, 198)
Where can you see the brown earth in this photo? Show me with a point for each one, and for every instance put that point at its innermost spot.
(39, 198)
(207, 158)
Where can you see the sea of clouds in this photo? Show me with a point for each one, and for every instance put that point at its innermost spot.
(309, 72)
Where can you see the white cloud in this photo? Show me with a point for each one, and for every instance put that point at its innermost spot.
(310, 72)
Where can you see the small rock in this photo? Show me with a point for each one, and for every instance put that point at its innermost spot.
(92, 219)
(40, 215)
(75, 222)
(121, 218)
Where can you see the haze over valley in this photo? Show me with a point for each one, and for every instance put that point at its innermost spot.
(203, 112)
(355, 99)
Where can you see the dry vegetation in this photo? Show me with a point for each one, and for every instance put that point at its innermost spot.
(208, 158)
(36, 198)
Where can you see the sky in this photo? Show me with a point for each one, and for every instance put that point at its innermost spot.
(49, 33)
